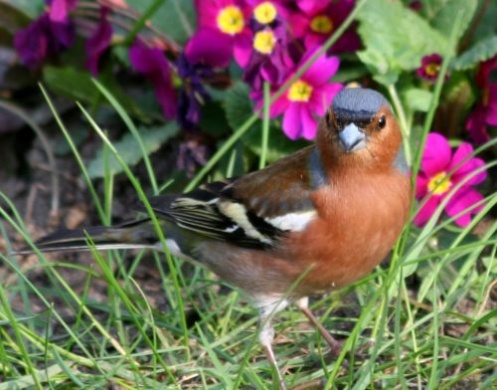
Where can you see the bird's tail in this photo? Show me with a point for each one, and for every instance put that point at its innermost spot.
(136, 234)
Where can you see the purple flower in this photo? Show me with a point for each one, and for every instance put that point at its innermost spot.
(440, 171)
(192, 94)
(99, 42)
(49, 34)
(307, 98)
(319, 19)
(485, 112)
(430, 67)
(152, 63)
(269, 59)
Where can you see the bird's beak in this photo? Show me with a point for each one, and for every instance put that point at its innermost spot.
(352, 138)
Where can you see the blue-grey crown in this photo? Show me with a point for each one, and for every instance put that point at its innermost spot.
(358, 103)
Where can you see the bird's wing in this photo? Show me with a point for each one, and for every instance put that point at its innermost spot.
(253, 211)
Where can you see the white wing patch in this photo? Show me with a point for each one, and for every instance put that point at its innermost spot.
(294, 222)
(238, 214)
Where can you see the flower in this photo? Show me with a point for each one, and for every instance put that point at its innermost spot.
(440, 172)
(319, 19)
(228, 17)
(485, 112)
(307, 98)
(192, 94)
(270, 59)
(430, 67)
(152, 63)
(51, 33)
(209, 47)
(99, 42)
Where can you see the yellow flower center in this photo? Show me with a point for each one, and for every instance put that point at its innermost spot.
(300, 91)
(439, 184)
(264, 41)
(230, 20)
(432, 69)
(265, 12)
(322, 24)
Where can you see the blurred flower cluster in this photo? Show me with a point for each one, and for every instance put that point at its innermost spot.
(286, 47)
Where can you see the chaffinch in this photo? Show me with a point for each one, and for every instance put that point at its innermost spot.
(310, 223)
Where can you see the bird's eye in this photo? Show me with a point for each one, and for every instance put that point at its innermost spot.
(382, 122)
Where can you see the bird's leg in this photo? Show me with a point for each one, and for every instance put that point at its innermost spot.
(335, 345)
(268, 307)
(266, 337)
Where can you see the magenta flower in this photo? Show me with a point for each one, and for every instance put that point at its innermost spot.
(318, 22)
(51, 33)
(99, 42)
(440, 172)
(152, 63)
(209, 47)
(485, 112)
(430, 67)
(228, 17)
(307, 98)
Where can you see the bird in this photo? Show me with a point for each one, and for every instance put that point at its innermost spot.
(310, 223)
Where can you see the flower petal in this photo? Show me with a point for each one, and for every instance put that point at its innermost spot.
(323, 96)
(242, 48)
(321, 70)
(462, 165)
(209, 47)
(460, 202)
(421, 186)
(477, 126)
(427, 209)
(312, 7)
(309, 124)
(278, 107)
(292, 125)
(99, 42)
(436, 155)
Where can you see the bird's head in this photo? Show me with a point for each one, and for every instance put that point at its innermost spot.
(360, 128)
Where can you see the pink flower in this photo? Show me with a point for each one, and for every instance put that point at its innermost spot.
(228, 17)
(307, 98)
(319, 19)
(440, 172)
(152, 63)
(485, 112)
(430, 67)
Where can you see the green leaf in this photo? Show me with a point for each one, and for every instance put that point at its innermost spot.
(442, 14)
(238, 105)
(175, 18)
(31, 8)
(70, 83)
(129, 149)
(418, 99)
(77, 85)
(213, 120)
(482, 51)
(396, 38)
(239, 109)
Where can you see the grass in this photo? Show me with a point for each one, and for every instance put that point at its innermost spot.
(426, 320)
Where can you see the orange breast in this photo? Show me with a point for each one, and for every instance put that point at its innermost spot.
(359, 222)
